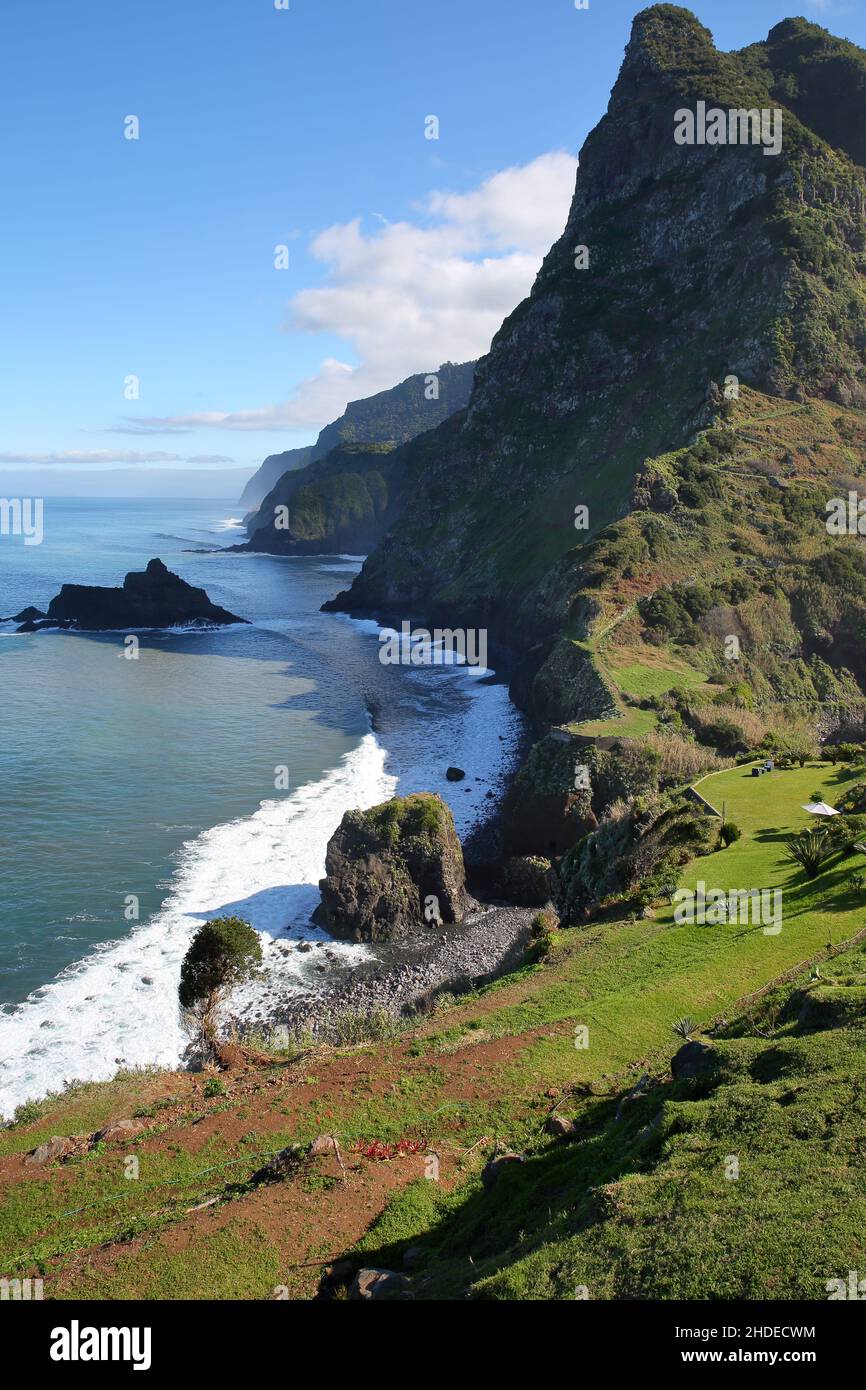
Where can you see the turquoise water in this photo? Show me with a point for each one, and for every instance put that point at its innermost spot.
(140, 797)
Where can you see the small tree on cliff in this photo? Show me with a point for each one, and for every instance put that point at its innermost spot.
(221, 954)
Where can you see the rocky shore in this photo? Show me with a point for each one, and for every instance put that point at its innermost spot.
(404, 977)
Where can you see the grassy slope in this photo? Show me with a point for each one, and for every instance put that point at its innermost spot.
(815, 448)
(745, 1186)
(475, 1071)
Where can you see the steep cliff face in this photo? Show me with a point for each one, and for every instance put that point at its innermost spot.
(702, 262)
(345, 487)
(270, 472)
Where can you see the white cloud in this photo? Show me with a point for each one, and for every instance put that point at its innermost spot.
(410, 295)
(101, 456)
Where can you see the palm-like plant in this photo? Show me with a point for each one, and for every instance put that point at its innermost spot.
(684, 1028)
(810, 849)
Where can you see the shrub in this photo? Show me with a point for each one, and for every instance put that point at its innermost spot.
(529, 880)
(681, 759)
(811, 848)
(221, 954)
(729, 833)
(544, 928)
(841, 752)
(790, 748)
(853, 800)
(355, 1026)
(27, 1112)
(214, 1087)
(847, 831)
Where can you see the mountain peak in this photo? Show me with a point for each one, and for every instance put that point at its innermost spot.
(667, 35)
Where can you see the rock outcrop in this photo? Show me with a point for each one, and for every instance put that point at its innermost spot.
(694, 1060)
(393, 872)
(548, 807)
(152, 598)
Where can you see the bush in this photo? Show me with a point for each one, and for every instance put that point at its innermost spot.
(790, 748)
(352, 1027)
(681, 759)
(214, 1087)
(544, 928)
(27, 1112)
(841, 752)
(847, 831)
(853, 800)
(729, 833)
(529, 880)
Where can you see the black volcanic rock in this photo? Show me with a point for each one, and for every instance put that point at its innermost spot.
(27, 615)
(151, 598)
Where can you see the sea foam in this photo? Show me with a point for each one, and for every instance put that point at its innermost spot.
(118, 1007)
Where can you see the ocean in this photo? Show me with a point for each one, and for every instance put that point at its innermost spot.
(141, 797)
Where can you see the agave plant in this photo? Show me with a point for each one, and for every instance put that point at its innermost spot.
(684, 1028)
(810, 849)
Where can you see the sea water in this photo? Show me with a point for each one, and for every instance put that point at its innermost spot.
(140, 797)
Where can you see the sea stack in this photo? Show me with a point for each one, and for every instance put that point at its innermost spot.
(150, 598)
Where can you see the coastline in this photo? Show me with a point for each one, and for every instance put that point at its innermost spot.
(401, 978)
(267, 866)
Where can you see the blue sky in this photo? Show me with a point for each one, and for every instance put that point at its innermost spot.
(261, 127)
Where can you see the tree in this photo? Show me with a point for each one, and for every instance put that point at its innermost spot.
(221, 954)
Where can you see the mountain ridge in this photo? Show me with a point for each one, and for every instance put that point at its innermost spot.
(390, 417)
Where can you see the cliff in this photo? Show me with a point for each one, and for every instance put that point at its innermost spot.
(707, 269)
(386, 420)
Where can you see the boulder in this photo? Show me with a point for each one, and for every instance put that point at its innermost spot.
(385, 866)
(559, 1126)
(694, 1059)
(496, 1166)
(379, 1283)
(322, 1145)
(56, 1147)
(455, 774)
(27, 615)
(119, 1130)
(152, 598)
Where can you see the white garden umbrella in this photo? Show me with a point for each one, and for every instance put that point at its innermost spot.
(820, 808)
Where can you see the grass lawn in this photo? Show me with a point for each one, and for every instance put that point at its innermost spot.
(633, 723)
(629, 980)
(639, 680)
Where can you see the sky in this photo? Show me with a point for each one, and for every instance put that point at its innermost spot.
(155, 342)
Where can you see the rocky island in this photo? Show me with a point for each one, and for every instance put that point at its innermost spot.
(148, 598)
